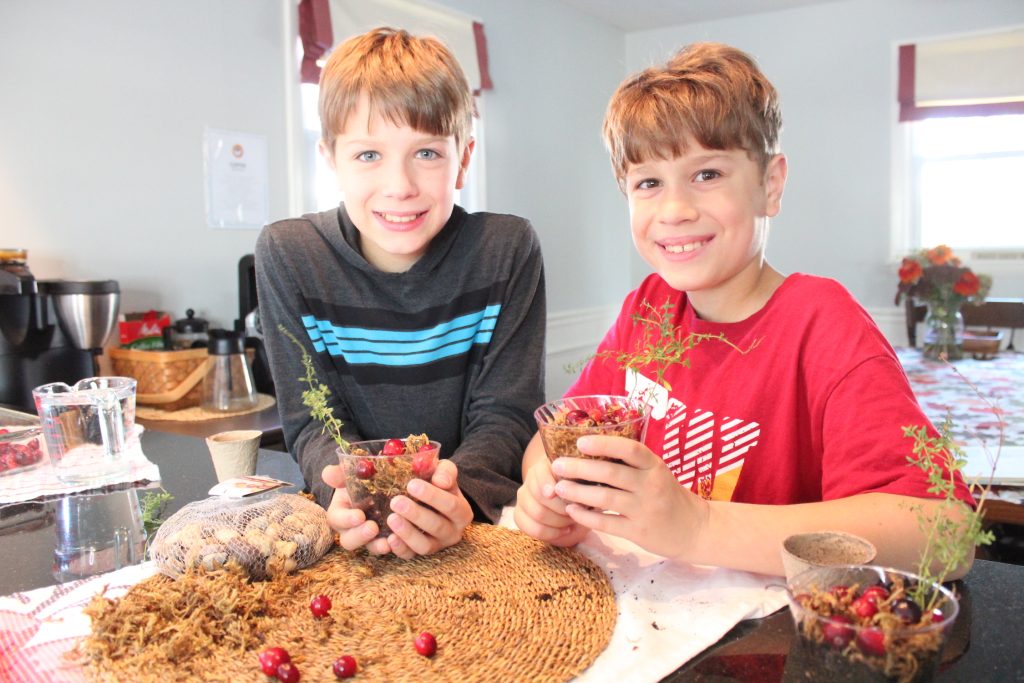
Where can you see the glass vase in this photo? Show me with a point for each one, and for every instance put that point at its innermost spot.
(943, 331)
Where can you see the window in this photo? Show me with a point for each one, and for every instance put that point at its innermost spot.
(965, 178)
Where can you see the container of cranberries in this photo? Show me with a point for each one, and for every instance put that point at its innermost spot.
(378, 470)
(21, 449)
(869, 623)
(564, 421)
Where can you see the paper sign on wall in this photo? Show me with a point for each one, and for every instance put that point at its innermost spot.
(235, 167)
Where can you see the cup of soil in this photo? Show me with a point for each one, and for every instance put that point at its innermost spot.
(380, 469)
(801, 552)
(869, 623)
(564, 421)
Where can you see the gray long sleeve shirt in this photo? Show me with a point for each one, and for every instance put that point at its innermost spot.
(453, 348)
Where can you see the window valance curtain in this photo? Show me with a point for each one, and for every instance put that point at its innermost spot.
(976, 75)
(325, 23)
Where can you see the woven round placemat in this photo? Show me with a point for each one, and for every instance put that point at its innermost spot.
(197, 414)
(502, 606)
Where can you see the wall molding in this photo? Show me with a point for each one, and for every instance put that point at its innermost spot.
(572, 336)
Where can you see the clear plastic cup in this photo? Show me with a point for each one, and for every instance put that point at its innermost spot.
(372, 478)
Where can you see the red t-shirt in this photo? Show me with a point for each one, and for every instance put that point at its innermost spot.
(814, 411)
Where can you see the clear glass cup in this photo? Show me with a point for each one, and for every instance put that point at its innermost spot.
(840, 639)
(564, 421)
(373, 479)
(86, 425)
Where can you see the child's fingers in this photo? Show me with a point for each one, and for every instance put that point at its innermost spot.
(598, 497)
(631, 452)
(399, 546)
(333, 476)
(446, 475)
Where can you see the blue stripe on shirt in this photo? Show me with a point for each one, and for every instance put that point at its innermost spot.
(362, 346)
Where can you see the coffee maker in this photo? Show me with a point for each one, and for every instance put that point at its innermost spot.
(50, 330)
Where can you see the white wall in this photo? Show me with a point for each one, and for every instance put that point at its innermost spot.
(834, 67)
(104, 104)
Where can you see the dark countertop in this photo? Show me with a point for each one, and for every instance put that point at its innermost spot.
(29, 531)
(984, 645)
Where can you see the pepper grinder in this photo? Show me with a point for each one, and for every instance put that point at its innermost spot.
(228, 386)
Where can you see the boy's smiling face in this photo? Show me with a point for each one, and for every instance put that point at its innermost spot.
(398, 184)
(701, 220)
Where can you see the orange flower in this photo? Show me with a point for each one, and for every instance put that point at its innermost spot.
(940, 254)
(910, 271)
(968, 284)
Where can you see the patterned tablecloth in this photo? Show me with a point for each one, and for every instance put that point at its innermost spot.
(940, 390)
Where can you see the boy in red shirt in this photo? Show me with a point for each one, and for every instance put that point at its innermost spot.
(796, 424)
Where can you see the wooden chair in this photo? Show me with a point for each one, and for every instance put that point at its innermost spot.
(994, 313)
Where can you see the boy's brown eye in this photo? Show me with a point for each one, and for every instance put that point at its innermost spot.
(706, 175)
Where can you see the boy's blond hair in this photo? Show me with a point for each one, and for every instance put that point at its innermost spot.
(409, 80)
(711, 91)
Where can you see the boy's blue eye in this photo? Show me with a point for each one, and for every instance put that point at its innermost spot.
(427, 154)
(706, 174)
(368, 156)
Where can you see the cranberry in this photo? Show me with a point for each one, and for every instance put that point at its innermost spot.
(839, 591)
(577, 417)
(838, 631)
(426, 644)
(871, 641)
(876, 593)
(345, 667)
(320, 606)
(288, 673)
(365, 468)
(422, 463)
(393, 447)
(864, 607)
(907, 610)
(937, 616)
(273, 657)
(4, 431)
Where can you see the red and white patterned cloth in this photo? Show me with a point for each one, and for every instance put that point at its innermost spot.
(939, 389)
(38, 627)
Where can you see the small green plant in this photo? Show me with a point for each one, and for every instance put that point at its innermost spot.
(662, 345)
(954, 531)
(153, 504)
(315, 397)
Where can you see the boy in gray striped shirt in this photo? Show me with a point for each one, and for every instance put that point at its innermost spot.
(419, 316)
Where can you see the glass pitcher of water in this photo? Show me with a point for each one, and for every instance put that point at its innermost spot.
(85, 426)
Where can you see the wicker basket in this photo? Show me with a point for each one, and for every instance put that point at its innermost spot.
(168, 380)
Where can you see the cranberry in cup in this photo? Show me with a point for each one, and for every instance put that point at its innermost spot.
(380, 469)
(564, 421)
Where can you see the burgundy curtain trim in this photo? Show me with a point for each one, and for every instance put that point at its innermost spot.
(914, 113)
(317, 36)
(909, 111)
(481, 56)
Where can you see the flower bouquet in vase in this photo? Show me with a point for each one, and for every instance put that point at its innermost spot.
(937, 278)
